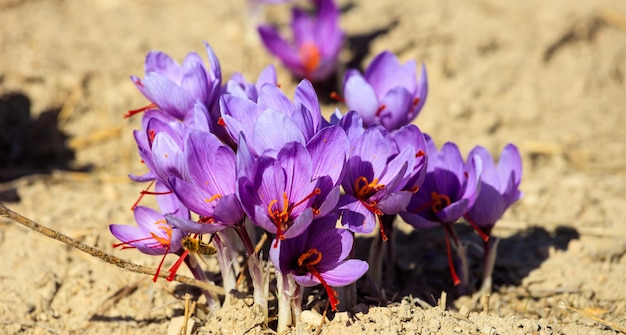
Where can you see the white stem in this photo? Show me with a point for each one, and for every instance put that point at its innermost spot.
(284, 303)
(260, 282)
(297, 297)
(224, 259)
(490, 262)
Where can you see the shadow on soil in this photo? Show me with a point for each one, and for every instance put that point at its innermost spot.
(29, 145)
(421, 267)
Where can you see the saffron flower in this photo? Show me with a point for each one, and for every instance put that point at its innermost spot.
(174, 88)
(283, 194)
(152, 235)
(317, 40)
(209, 187)
(319, 256)
(258, 122)
(382, 173)
(388, 93)
(499, 188)
(449, 190)
(239, 87)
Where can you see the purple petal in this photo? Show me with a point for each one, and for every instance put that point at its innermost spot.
(510, 161)
(192, 226)
(194, 197)
(265, 136)
(167, 156)
(398, 104)
(421, 94)
(385, 72)
(345, 273)
(167, 95)
(360, 97)
(163, 64)
(329, 149)
(279, 47)
(355, 216)
(271, 97)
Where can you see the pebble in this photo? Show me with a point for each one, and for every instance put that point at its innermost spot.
(311, 317)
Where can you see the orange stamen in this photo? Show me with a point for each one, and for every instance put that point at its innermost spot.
(282, 217)
(440, 201)
(310, 266)
(364, 189)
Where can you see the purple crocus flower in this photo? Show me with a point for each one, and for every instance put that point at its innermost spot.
(317, 40)
(499, 188)
(155, 122)
(153, 235)
(449, 190)
(284, 193)
(174, 88)
(388, 93)
(239, 87)
(258, 122)
(382, 173)
(319, 256)
(209, 187)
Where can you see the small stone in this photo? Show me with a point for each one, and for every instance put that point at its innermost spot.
(341, 317)
(458, 329)
(176, 326)
(311, 317)
(464, 311)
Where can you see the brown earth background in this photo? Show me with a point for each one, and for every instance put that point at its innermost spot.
(547, 76)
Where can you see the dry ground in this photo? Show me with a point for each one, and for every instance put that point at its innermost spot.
(548, 76)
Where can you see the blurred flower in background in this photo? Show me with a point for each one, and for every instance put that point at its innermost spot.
(316, 41)
(388, 93)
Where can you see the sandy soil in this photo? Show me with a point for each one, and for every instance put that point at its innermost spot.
(548, 76)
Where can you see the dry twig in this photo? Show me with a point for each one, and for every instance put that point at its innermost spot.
(93, 251)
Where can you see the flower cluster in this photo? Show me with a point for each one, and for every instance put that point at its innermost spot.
(222, 156)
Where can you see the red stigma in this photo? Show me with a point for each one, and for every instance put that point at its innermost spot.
(480, 232)
(140, 110)
(337, 97)
(419, 153)
(380, 109)
(138, 82)
(176, 266)
(141, 194)
(455, 277)
(416, 101)
(221, 122)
